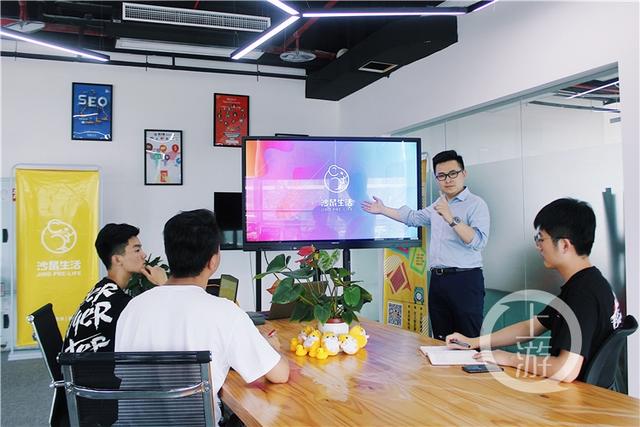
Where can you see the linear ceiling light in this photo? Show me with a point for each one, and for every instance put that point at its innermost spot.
(344, 13)
(89, 54)
(172, 47)
(480, 5)
(594, 89)
(281, 5)
(239, 53)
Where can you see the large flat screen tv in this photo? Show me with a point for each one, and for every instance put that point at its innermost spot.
(302, 190)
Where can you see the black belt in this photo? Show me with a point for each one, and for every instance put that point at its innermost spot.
(451, 270)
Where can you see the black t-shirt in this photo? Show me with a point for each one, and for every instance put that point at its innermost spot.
(591, 298)
(93, 327)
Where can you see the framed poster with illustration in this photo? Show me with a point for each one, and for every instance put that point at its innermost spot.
(162, 157)
(230, 119)
(91, 112)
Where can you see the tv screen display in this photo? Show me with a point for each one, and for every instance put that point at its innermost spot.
(298, 191)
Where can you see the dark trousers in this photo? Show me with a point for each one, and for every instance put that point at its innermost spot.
(456, 301)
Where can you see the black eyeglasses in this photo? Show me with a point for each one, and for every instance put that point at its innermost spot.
(539, 239)
(452, 175)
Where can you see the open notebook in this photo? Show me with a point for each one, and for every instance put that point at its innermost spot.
(441, 355)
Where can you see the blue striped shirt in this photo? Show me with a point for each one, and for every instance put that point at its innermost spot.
(446, 248)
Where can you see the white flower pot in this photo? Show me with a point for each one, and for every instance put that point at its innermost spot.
(337, 328)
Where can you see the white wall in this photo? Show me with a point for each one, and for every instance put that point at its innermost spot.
(510, 48)
(36, 103)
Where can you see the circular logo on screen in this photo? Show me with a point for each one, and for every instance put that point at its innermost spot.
(58, 237)
(336, 179)
(530, 374)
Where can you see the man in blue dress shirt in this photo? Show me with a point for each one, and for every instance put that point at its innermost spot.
(459, 222)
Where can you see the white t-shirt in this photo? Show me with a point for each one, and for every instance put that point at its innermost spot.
(186, 318)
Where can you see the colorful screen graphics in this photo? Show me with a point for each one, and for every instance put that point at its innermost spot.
(310, 190)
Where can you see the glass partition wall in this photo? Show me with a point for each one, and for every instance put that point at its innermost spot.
(521, 154)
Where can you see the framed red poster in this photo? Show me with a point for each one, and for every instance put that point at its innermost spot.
(230, 119)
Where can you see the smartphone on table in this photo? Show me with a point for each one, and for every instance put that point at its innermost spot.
(476, 369)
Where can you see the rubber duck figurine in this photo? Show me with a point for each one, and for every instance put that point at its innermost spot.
(312, 341)
(321, 354)
(302, 335)
(293, 344)
(348, 344)
(360, 335)
(330, 343)
(300, 350)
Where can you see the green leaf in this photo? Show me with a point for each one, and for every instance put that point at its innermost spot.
(302, 311)
(286, 292)
(343, 272)
(328, 260)
(348, 316)
(351, 295)
(321, 313)
(365, 297)
(277, 264)
(302, 273)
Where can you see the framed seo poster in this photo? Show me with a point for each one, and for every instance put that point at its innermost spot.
(91, 112)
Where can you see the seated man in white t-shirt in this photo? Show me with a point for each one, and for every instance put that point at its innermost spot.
(182, 316)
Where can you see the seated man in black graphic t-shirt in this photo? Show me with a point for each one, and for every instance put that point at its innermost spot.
(93, 326)
(565, 234)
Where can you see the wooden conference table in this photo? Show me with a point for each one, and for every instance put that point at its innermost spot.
(390, 382)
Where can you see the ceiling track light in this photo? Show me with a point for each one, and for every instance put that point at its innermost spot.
(382, 12)
(286, 8)
(239, 53)
(85, 53)
(594, 89)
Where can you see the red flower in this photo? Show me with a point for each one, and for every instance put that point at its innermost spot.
(306, 250)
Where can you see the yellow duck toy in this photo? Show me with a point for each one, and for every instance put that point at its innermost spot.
(321, 354)
(300, 350)
(312, 342)
(304, 333)
(330, 343)
(360, 335)
(348, 344)
(293, 344)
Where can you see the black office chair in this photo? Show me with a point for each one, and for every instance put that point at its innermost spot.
(172, 388)
(47, 334)
(601, 370)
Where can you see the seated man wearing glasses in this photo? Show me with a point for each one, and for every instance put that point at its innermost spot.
(459, 222)
(565, 234)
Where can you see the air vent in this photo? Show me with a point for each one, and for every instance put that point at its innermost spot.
(194, 18)
(377, 67)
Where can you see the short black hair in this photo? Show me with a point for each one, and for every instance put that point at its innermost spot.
(445, 156)
(112, 240)
(191, 238)
(569, 219)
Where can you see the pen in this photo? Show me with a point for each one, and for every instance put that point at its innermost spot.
(460, 343)
(272, 333)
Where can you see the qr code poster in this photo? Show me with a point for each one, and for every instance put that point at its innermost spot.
(394, 314)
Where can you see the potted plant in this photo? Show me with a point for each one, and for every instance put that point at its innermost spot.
(138, 283)
(320, 290)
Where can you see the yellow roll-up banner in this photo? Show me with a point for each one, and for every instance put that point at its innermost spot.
(405, 281)
(57, 219)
